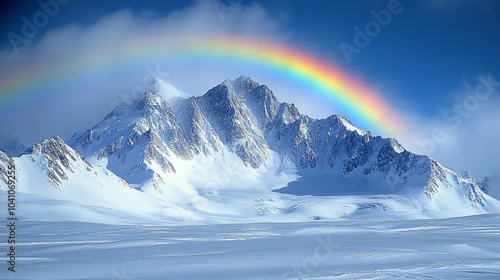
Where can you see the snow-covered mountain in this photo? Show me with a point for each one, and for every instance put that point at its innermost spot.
(248, 119)
(238, 151)
(52, 169)
(11, 146)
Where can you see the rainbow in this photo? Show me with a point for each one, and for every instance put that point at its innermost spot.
(361, 104)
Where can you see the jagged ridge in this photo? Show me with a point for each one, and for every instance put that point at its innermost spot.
(247, 118)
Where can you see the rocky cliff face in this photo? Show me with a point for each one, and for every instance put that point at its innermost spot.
(5, 162)
(136, 136)
(57, 159)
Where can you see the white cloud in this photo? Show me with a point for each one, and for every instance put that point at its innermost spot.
(466, 135)
(167, 91)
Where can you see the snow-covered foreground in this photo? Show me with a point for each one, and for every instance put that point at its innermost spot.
(454, 248)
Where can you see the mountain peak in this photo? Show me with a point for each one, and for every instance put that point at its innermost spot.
(11, 146)
(243, 78)
(222, 93)
(245, 81)
(58, 158)
(149, 98)
(53, 146)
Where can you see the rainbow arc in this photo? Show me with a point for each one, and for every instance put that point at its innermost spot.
(324, 79)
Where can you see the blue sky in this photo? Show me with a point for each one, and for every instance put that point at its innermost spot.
(425, 61)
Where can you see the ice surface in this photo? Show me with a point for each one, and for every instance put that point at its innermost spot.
(456, 248)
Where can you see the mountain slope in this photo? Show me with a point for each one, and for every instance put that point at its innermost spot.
(52, 169)
(247, 119)
(221, 154)
(134, 137)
